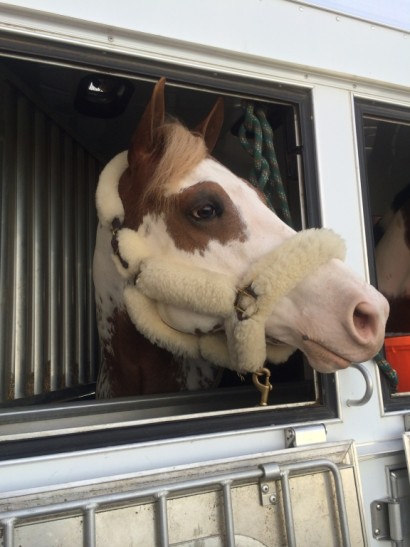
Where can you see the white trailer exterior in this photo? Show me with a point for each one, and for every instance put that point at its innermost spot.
(56, 489)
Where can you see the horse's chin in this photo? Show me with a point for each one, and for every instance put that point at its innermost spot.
(319, 357)
(323, 359)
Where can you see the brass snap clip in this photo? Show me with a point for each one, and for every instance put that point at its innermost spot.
(266, 387)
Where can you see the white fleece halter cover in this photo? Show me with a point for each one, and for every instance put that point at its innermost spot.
(243, 305)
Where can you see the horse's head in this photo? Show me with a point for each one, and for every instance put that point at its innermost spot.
(393, 261)
(201, 244)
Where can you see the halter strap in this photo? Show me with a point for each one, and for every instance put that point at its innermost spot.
(243, 308)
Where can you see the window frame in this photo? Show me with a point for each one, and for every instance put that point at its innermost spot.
(393, 113)
(120, 430)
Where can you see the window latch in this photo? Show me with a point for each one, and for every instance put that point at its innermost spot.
(305, 435)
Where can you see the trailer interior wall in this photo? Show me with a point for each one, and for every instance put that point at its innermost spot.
(48, 334)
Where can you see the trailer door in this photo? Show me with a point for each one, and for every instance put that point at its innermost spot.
(297, 496)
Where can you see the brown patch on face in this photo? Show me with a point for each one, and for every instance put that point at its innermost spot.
(203, 213)
(399, 317)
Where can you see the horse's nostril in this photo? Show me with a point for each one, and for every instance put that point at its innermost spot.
(366, 321)
(361, 319)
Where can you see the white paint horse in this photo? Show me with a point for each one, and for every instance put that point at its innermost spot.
(393, 261)
(193, 271)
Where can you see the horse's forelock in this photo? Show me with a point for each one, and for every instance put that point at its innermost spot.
(152, 182)
(178, 151)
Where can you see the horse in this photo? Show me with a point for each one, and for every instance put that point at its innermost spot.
(392, 257)
(194, 272)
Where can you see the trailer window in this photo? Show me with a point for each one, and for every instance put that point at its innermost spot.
(384, 141)
(61, 123)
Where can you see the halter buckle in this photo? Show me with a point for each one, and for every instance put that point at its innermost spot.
(241, 304)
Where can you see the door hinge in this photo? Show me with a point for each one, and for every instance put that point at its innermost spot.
(386, 519)
(305, 435)
(267, 483)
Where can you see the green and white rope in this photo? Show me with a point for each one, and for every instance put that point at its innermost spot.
(256, 137)
(389, 372)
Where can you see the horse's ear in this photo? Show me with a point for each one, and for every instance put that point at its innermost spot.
(153, 116)
(211, 126)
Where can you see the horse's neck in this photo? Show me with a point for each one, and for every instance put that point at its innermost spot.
(108, 283)
(393, 260)
(131, 365)
(393, 273)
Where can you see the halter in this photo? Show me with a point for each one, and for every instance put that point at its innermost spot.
(243, 306)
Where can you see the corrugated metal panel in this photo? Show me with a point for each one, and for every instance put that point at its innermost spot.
(47, 335)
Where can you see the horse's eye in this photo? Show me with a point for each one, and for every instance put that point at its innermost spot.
(205, 212)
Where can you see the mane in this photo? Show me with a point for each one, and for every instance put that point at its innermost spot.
(179, 152)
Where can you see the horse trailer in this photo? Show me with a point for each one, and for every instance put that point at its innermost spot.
(298, 457)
